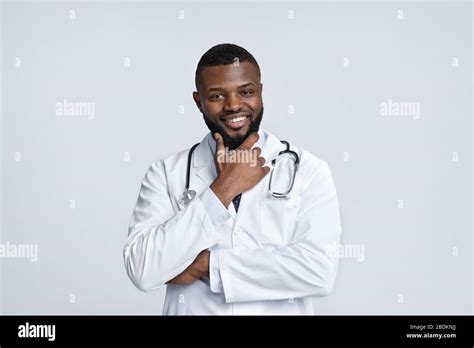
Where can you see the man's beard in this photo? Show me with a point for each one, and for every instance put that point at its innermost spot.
(234, 142)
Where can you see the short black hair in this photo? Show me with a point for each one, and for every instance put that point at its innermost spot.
(224, 54)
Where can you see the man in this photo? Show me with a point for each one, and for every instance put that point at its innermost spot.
(234, 248)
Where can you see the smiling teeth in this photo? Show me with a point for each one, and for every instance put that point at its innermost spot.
(238, 119)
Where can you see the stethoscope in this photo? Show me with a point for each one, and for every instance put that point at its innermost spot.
(189, 194)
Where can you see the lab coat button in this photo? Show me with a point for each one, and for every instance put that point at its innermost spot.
(237, 230)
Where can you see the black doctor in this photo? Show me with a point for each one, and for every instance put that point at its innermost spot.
(229, 96)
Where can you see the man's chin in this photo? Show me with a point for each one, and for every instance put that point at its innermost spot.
(234, 140)
(237, 133)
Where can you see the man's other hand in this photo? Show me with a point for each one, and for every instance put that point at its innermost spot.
(198, 269)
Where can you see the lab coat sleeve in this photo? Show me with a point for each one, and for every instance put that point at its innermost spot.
(301, 268)
(215, 279)
(161, 242)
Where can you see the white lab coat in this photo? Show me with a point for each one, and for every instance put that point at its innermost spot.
(269, 258)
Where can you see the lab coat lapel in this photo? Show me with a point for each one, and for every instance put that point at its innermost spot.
(203, 163)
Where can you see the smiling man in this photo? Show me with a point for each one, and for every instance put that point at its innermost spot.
(253, 237)
(233, 115)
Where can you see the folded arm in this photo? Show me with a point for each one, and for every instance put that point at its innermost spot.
(302, 268)
(162, 243)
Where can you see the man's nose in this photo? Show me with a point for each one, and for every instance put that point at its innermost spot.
(233, 103)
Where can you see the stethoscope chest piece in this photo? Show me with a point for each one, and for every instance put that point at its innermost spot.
(188, 196)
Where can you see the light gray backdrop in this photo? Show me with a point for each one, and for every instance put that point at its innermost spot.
(70, 182)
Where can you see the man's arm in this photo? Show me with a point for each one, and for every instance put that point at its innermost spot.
(197, 270)
(231, 180)
(302, 268)
(161, 243)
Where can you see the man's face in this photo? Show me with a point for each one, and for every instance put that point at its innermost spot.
(230, 99)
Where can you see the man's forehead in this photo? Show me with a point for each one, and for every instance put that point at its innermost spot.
(229, 75)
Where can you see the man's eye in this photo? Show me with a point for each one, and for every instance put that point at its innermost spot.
(247, 92)
(215, 96)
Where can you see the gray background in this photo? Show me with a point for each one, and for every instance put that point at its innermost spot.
(408, 251)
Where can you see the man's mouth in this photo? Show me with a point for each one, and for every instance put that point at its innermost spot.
(236, 121)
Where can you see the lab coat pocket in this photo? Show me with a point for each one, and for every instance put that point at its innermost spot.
(278, 219)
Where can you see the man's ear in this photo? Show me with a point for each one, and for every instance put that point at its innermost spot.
(197, 100)
(261, 87)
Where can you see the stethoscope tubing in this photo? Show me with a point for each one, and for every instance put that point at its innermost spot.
(276, 195)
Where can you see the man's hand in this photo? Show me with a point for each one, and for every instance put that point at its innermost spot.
(198, 269)
(235, 178)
